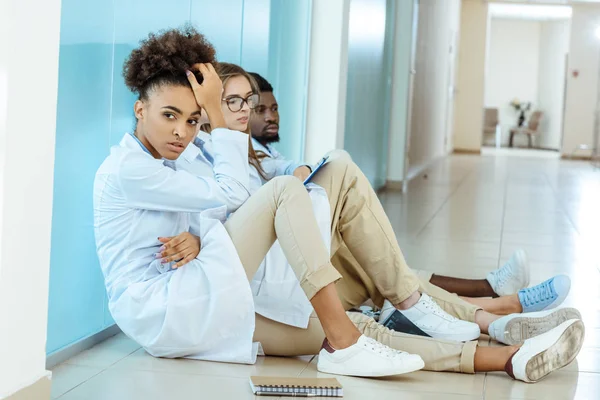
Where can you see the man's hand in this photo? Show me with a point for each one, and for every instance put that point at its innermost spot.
(302, 172)
(182, 248)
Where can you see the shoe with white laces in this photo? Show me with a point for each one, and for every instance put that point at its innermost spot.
(545, 296)
(541, 355)
(515, 329)
(367, 358)
(512, 276)
(426, 318)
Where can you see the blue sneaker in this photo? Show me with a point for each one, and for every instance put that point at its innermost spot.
(545, 296)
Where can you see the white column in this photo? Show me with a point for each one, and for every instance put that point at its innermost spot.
(469, 103)
(327, 79)
(29, 48)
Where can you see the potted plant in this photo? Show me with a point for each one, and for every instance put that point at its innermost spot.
(521, 108)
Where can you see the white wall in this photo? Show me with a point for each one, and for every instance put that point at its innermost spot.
(554, 46)
(327, 79)
(404, 33)
(29, 46)
(437, 19)
(468, 115)
(582, 92)
(512, 68)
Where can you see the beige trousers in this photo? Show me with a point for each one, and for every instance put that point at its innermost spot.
(365, 249)
(361, 236)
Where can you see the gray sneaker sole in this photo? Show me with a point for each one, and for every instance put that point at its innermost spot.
(557, 356)
(522, 328)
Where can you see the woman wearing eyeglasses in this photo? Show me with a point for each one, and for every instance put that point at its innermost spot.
(240, 97)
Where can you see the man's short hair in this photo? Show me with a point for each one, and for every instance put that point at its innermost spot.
(263, 84)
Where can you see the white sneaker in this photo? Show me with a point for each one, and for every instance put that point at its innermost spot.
(367, 358)
(517, 328)
(512, 276)
(426, 318)
(553, 350)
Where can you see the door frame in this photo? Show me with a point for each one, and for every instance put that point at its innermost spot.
(411, 86)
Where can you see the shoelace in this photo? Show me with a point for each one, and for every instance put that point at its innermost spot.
(539, 293)
(437, 310)
(504, 273)
(382, 349)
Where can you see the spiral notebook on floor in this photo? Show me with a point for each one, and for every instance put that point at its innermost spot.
(295, 387)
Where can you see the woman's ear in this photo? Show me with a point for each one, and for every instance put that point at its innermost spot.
(139, 109)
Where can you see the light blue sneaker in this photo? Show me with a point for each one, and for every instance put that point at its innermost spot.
(545, 296)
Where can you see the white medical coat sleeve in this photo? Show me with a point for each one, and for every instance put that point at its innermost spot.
(148, 184)
(227, 169)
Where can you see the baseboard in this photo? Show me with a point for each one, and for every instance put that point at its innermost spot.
(417, 170)
(413, 172)
(394, 185)
(65, 353)
(575, 157)
(467, 151)
(40, 390)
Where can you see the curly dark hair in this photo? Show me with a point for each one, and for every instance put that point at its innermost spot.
(163, 58)
(263, 84)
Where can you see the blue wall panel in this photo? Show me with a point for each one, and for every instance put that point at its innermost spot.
(289, 50)
(76, 302)
(255, 36)
(368, 89)
(133, 21)
(221, 22)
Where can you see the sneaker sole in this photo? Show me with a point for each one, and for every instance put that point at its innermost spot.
(522, 328)
(557, 356)
(406, 369)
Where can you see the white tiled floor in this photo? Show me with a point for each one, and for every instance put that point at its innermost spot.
(463, 219)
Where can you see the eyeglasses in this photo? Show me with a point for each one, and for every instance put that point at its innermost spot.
(236, 103)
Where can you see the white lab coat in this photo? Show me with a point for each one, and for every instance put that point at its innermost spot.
(275, 287)
(191, 311)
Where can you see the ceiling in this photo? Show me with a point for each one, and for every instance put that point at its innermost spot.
(529, 12)
(557, 2)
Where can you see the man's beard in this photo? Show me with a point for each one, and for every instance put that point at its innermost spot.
(270, 139)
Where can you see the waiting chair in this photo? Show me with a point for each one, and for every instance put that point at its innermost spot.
(531, 130)
(491, 124)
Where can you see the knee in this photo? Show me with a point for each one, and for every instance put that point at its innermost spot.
(287, 184)
(339, 156)
(340, 162)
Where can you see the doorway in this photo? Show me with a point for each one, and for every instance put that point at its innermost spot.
(525, 76)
